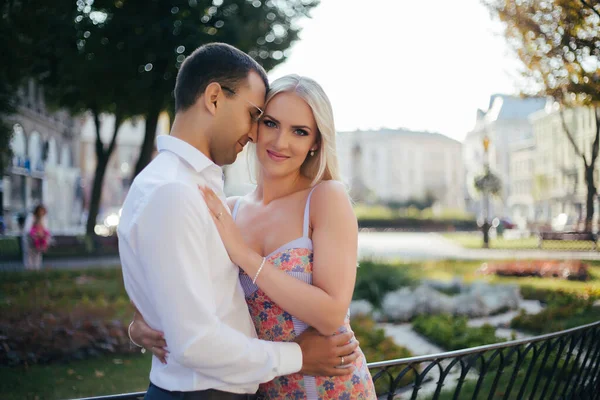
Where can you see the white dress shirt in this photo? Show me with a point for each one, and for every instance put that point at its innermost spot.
(177, 272)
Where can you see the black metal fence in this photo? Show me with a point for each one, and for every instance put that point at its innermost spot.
(561, 365)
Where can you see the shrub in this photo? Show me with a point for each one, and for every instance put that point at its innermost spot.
(48, 316)
(374, 281)
(378, 347)
(61, 337)
(560, 314)
(452, 333)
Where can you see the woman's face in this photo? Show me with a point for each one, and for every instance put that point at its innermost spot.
(286, 135)
(41, 212)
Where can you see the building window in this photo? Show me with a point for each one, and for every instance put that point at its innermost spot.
(34, 151)
(17, 143)
(52, 158)
(65, 157)
(17, 192)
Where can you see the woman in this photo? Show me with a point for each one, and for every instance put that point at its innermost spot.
(37, 239)
(295, 237)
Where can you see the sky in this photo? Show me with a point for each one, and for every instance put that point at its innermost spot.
(421, 65)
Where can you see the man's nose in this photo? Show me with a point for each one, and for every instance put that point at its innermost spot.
(253, 133)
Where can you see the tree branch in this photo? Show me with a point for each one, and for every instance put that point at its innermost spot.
(591, 7)
(571, 138)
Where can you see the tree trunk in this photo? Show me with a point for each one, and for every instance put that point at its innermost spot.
(589, 175)
(102, 157)
(486, 234)
(591, 195)
(148, 144)
(96, 195)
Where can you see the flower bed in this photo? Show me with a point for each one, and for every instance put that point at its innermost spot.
(53, 316)
(58, 338)
(566, 269)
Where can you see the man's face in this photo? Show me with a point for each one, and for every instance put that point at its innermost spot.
(237, 122)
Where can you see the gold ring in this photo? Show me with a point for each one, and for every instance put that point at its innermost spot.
(220, 214)
(342, 363)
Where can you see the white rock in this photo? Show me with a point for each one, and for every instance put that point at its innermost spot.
(399, 305)
(360, 307)
(478, 300)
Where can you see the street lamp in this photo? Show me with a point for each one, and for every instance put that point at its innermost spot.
(486, 195)
(487, 184)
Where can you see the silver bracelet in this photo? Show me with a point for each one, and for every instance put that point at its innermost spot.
(129, 334)
(262, 264)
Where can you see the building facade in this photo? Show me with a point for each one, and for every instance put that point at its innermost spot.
(387, 166)
(559, 173)
(507, 127)
(43, 169)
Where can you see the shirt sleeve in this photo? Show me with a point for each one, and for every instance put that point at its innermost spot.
(171, 234)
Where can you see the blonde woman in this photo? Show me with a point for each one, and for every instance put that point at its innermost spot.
(295, 237)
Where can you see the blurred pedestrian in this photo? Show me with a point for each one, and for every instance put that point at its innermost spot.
(36, 239)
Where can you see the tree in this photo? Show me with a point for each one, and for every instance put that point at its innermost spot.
(88, 72)
(122, 56)
(488, 183)
(15, 47)
(68, 51)
(28, 35)
(157, 34)
(558, 42)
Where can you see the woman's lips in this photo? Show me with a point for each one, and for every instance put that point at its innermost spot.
(276, 156)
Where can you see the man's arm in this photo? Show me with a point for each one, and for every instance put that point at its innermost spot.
(170, 235)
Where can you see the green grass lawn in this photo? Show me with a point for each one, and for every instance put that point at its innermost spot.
(363, 211)
(93, 377)
(64, 291)
(475, 241)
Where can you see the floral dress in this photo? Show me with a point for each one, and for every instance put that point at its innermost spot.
(274, 324)
(40, 238)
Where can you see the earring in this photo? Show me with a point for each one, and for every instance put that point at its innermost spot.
(312, 153)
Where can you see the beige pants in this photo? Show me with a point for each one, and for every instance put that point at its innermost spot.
(32, 259)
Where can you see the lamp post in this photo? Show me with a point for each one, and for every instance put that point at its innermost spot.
(486, 195)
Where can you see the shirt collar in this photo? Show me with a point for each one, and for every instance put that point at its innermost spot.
(185, 151)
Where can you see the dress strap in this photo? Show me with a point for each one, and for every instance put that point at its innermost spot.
(307, 213)
(235, 207)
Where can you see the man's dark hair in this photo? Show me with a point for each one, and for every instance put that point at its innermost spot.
(214, 62)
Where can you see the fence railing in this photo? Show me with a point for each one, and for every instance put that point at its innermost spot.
(561, 365)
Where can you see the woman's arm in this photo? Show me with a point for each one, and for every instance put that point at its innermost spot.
(335, 235)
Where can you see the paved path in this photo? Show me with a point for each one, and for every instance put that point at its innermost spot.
(428, 246)
(68, 263)
(381, 245)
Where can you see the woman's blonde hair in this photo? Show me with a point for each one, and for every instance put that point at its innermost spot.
(324, 164)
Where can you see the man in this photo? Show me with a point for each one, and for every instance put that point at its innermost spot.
(175, 267)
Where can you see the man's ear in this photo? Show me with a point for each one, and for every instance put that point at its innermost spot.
(211, 96)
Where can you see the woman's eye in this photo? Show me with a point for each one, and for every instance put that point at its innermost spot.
(301, 132)
(269, 124)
